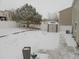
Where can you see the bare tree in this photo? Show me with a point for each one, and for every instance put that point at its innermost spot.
(53, 16)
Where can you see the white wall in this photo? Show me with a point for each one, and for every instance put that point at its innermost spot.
(7, 24)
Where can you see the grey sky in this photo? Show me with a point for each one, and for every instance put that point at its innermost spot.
(43, 6)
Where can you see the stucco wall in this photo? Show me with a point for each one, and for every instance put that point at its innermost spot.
(75, 20)
(65, 16)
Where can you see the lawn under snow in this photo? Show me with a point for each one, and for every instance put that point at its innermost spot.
(11, 46)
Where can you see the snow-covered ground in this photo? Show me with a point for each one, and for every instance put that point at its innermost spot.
(8, 27)
(57, 45)
(68, 37)
(8, 31)
(14, 43)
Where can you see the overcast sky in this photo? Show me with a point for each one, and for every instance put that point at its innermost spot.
(44, 7)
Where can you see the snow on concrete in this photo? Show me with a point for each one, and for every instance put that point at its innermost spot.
(70, 41)
(68, 37)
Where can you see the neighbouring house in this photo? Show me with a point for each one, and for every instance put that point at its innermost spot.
(65, 20)
(75, 20)
(65, 16)
(5, 15)
(5, 20)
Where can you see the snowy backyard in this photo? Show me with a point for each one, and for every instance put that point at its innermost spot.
(54, 45)
(48, 29)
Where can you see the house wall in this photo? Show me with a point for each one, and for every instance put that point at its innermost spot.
(75, 20)
(65, 16)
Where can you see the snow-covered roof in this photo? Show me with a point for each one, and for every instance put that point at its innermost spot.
(67, 7)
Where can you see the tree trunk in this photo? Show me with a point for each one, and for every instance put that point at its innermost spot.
(28, 24)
